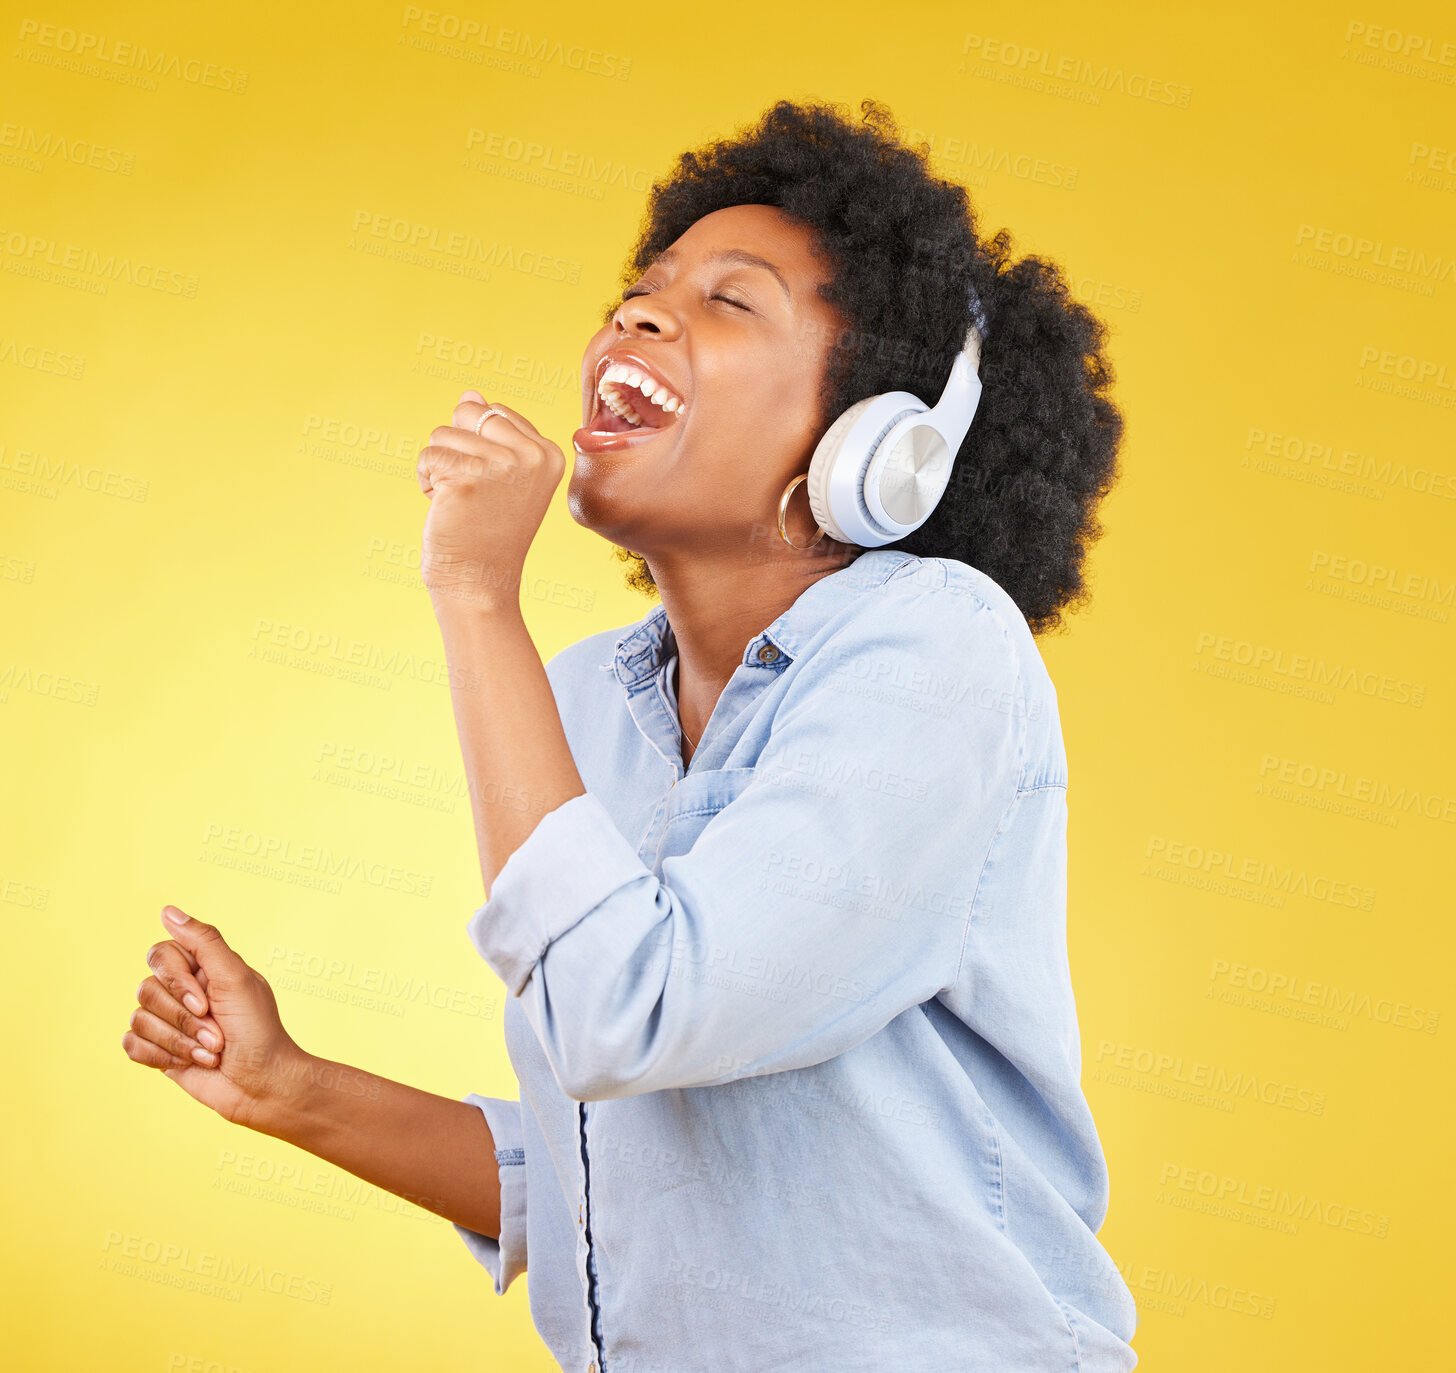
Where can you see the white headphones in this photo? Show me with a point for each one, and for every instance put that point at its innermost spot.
(884, 464)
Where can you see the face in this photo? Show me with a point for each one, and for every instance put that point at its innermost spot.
(744, 347)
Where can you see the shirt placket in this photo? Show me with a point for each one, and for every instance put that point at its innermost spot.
(586, 1266)
(654, 720)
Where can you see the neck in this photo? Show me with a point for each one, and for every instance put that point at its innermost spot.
(716, 607)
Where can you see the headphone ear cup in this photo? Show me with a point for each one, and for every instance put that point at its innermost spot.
(826, 458)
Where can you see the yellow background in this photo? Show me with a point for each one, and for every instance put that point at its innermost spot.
(189, 464)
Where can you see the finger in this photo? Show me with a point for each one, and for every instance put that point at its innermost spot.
(460, 435)
(187, 954)
(473, 405)
(204, 943)
(174, 969)
(170, 1038)
(157, 999)
(456, 455)
(150, 1055)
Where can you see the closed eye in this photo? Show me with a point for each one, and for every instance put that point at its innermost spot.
(729, 299)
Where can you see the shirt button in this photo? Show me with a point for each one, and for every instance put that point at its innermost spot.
(767, 653)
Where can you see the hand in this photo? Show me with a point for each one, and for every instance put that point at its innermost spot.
(233, 1017)
(488, 493)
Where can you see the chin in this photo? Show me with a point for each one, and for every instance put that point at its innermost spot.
(594, 507)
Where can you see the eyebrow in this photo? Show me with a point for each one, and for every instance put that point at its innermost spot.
(738, 256)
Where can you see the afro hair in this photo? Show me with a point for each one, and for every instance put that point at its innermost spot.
(904, 253)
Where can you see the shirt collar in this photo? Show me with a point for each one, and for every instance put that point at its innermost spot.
(639, 651)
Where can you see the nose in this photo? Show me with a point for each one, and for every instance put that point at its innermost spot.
(647, 315)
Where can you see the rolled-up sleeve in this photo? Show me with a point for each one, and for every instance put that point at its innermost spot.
(808, 913)
(504, 1258)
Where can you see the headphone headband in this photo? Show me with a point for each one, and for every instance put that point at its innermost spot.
(978, 315)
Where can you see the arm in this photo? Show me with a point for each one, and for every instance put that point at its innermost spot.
(463, 1160)
(517, 760)
(431, 1150)
(489, 488)
(202, 996)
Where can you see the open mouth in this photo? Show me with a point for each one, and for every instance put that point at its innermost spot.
(629, 399)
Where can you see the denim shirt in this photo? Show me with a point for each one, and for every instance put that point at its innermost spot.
(794, 1026)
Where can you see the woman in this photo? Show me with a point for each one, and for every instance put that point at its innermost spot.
(777, 875)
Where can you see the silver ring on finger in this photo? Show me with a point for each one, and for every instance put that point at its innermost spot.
(491, 410)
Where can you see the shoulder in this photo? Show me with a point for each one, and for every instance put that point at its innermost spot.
(584, 681)
(952, 578)
(589, 657)
(589, 664)
(590, 699)
(1033, 699)
(946, 613)
(939, 637)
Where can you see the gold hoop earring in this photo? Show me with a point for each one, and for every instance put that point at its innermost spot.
(783, 508)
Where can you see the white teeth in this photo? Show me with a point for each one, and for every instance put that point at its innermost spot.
(620, 407)
(620, 375)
